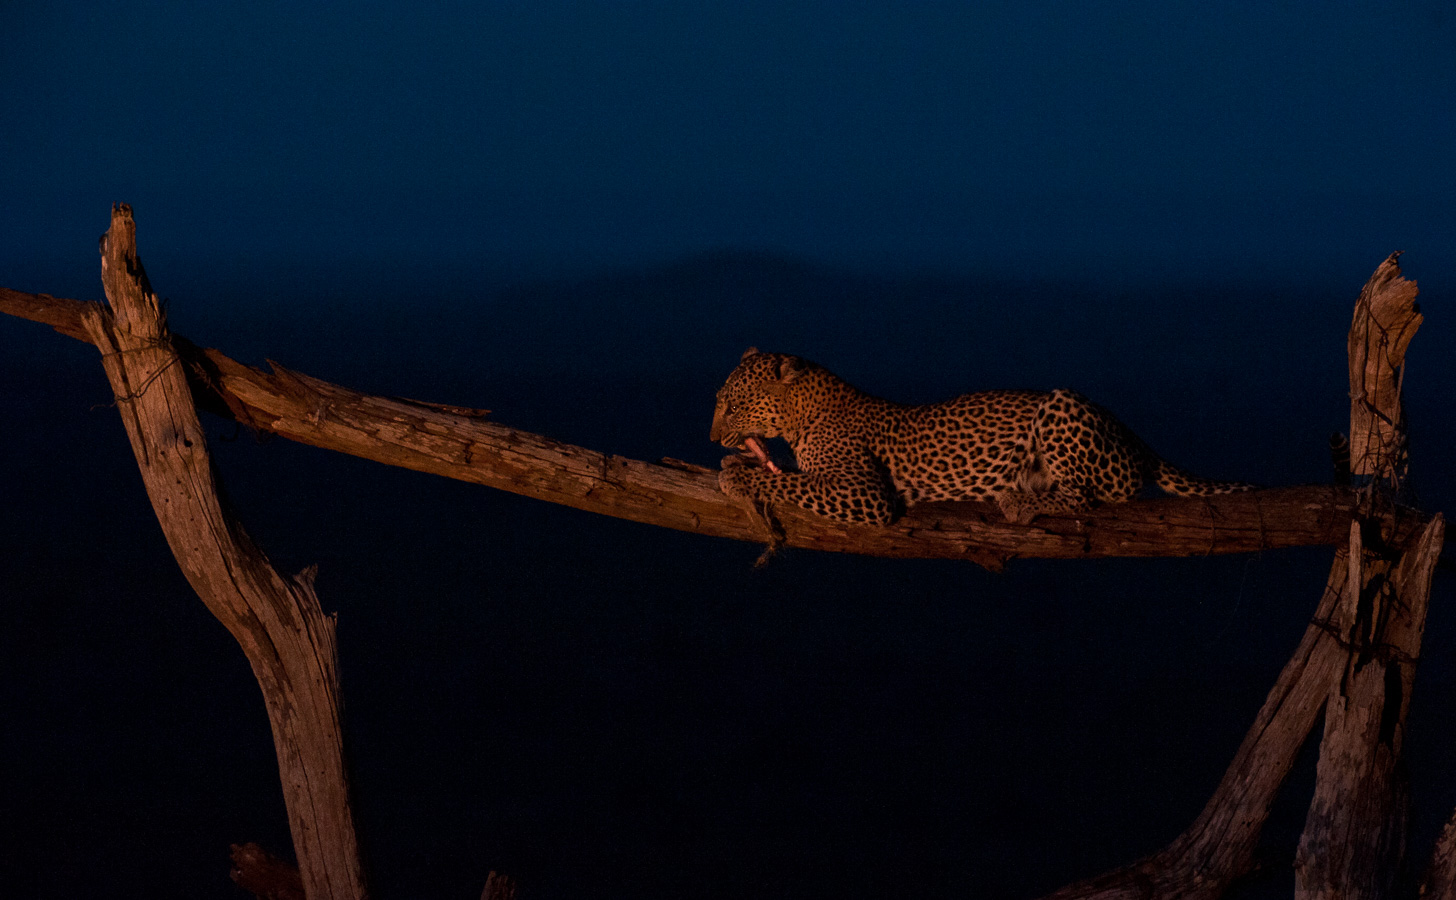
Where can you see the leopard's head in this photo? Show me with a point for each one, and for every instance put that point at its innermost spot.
(751, 403)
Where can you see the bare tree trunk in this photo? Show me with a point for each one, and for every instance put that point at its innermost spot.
(1354, 836)
(1386, 318)
(276, 619)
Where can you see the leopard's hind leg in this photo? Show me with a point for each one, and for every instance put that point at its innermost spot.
(1023, 506)
(1078, 455)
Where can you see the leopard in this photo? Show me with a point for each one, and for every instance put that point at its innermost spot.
(863, 460)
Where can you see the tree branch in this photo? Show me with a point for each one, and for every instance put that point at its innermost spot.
(1386, 318)
(459, 443)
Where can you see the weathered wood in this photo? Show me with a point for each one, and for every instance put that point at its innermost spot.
(498, 887)
(1219, 847)
(456, 444)
(1386, 318)
(1354, 836)
(287, 639)
(1356, 662)
(65, 316)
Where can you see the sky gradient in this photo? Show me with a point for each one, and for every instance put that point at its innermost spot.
(1054, 139)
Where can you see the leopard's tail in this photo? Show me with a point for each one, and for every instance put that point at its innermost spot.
(1181, 483)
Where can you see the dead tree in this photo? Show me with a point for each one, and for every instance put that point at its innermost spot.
(1355, 663)
(276, 618)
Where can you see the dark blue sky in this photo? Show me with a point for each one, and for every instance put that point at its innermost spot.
(1044, 138)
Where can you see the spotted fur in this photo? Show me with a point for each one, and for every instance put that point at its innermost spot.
(860, 458)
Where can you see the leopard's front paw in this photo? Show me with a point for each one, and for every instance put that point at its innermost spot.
(733, 481)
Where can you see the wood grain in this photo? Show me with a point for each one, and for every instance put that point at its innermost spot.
(276, 619)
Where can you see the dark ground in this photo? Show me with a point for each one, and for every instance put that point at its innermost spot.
(605, 709)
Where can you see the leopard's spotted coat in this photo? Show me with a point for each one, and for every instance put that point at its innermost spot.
(859, 457)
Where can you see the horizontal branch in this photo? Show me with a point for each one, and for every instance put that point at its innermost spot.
(459, 443)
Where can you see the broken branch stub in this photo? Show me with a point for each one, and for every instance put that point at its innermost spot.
(1386, 318)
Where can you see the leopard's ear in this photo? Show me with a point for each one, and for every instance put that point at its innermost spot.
(751, 351)
(790, 368)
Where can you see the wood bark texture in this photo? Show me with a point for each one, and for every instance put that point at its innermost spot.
(276, 619)
(1386, 318)
(1353, 843)
(460, 443)
(498, 887)
(1354, 836)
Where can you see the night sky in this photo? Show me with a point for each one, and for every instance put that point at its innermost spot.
(1055, 138)
(578, 215)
